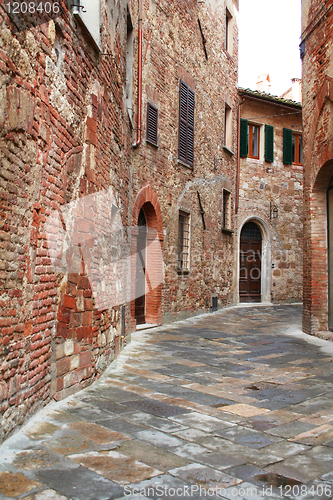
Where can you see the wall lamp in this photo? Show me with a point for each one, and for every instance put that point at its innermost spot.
(274, 211)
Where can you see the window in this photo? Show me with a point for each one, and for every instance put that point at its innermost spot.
(292, 147)
(226, 210)
(186, 124)
(228, 127)
(297, 149)
(129, 66)
(254, 140)
(89, 12)
(184, 241)
(152, 120)
(228, 32)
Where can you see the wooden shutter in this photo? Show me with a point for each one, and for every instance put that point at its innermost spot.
(243, 138)
(186, 124)
(269, 143)
(152, 121)
(287, 146)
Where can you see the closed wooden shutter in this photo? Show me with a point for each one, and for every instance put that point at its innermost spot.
(243, 138)
(186, 124)
(269, 143)
(287, 146)
(152, 121)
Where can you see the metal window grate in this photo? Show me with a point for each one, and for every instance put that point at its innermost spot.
(226, 209)
(184, 241)
(251, 231)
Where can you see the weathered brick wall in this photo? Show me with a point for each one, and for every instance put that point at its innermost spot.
(174, 50)
(262, 183)
(64, 135)
(317, 37)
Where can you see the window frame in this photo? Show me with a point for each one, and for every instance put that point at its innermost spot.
(181, 268)
(250, 141)
(228, 32)
(186, 126)
(228, 127)
(226, 210)
(90, 16)
(296, 151)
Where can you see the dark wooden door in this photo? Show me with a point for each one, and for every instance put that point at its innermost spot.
(140, 278)
(250, 266)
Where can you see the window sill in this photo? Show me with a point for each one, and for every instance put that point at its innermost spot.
(230, 232)
(151, 143)
(183, 271)
(185, 164)
(227, 150)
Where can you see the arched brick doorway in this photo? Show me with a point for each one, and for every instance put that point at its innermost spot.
(318, 254)
(148, 266)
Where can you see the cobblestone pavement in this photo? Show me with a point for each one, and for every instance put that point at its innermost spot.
(232, 405)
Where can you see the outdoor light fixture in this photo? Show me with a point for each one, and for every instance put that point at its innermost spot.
(274, 211)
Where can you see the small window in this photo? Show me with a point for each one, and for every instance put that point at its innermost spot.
(254, 141)
(228, 32)
(297, 149)
(152, 122)
(186, 124)
(226, 209)
(184, 241)
(228, 127)
(89, 12)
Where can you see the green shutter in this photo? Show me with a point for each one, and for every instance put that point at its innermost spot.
(243, 138)
(287, 146)
(269, 143)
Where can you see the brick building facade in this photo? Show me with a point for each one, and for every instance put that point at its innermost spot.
(269, 209)
(103, 152)
(317, 55)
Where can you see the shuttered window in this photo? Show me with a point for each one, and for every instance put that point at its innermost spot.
(186, 124)
(243, 138)
(152, 121)
(269, 143)
(287, 146)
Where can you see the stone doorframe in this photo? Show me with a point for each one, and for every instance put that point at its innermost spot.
(266, 260)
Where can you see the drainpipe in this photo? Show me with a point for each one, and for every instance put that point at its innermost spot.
(139, 117)
(238, 157)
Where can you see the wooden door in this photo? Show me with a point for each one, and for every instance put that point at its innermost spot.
(250, 264)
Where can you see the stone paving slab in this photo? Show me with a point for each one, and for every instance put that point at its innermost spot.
(237, 404)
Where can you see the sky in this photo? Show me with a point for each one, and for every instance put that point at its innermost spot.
(269, 38)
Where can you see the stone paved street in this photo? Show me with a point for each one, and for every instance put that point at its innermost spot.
(232, 405)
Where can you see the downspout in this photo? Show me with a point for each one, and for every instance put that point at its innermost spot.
(139, 117)
(238, 157)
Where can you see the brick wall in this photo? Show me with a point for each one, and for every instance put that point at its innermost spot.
(178, 52)
(317, 118)
(64, 135)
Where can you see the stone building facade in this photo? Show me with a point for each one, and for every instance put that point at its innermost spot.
(117, 182)
(317, 54)
(269, 207)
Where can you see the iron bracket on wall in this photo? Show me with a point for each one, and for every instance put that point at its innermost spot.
(202, 211)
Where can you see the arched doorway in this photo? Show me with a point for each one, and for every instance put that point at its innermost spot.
(250, 258)
(140, 278)
(147, 259)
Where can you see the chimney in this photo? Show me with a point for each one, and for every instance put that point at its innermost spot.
(264, 83)
(296, 89)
